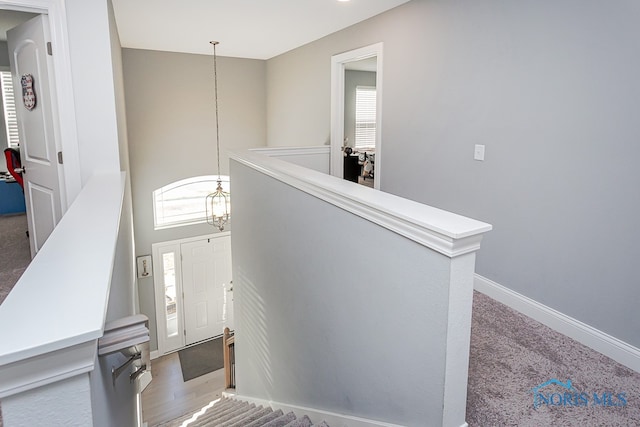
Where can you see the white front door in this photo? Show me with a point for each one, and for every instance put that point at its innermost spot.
(206, 276)
(32, 71)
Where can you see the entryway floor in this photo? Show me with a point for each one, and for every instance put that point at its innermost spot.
(168, 397)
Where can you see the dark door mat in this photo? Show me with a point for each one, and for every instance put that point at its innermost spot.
(201, 359)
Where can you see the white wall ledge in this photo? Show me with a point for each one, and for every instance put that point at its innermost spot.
(445, 232)
(57, 310)
(291, 151)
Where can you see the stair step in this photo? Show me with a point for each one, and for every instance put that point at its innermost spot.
(281, 421)
(231, 412)
(300, 422)
(223, 404)
(267, 418)
(228, 412)
(249, 418)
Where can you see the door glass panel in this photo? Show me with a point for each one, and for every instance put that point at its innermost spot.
(171, 312)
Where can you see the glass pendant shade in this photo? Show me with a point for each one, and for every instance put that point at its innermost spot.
(218, 207)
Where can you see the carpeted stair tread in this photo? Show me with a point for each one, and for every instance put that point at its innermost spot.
(216, 412)
(300, 422)
(223, 404)
(229, 413)
(258, 413)
(265, 419)
(281, 421)
(248, 414)
(322, 424)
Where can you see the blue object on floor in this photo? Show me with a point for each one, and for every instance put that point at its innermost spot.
(11, 198)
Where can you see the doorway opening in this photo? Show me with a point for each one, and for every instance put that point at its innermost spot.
(193, 290)
(356, 101)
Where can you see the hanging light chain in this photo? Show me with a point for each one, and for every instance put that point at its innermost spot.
(215, 83)
(217, 203)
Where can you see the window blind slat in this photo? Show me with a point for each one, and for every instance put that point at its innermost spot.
(9, 104)
(365, 117)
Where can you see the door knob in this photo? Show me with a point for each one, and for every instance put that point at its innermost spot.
(20, 170)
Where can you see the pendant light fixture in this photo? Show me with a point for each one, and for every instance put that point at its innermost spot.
(217, 203)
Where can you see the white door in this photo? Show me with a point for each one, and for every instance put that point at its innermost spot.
(206, 275)
(32, 71)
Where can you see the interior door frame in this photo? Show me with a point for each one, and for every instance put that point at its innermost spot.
(64, 103)
(338, 66)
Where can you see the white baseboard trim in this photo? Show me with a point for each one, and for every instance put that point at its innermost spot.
(154, 354)
(593, 338)
(316, 415)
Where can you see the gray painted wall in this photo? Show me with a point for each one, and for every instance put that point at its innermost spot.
(4, 54)
(316, 322)
(171, 129)
(551, 89)
(353, 79)
(298, 99)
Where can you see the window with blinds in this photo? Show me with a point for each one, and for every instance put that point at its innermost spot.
(365, 117)
(9, 105)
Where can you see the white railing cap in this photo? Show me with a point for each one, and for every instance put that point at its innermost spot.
(59, 304)
(446, 232)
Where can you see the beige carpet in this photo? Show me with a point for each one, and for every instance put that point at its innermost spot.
(512, 354)
(14, 254)
(14, 251)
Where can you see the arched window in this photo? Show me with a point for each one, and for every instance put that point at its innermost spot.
(183, 202)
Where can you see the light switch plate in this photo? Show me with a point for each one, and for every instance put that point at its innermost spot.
(478, 153)
(144, 266)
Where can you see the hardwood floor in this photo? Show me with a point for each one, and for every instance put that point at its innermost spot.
(168, 397)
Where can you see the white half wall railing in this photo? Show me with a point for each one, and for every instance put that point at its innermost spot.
(52, 319)
(351, 304)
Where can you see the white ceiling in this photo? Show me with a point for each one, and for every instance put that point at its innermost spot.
(259, 29)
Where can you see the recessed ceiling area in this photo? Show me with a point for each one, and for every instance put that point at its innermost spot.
(258, 29)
